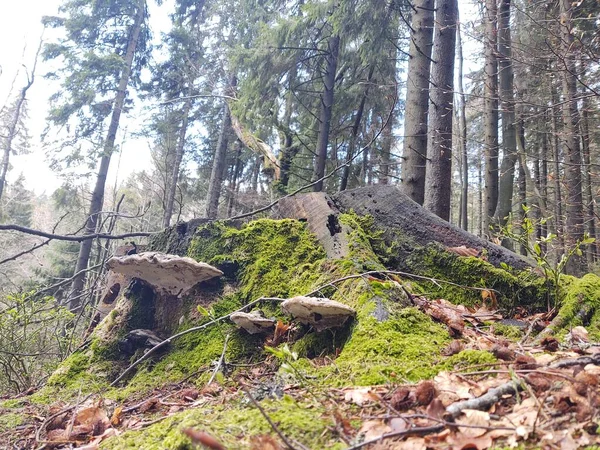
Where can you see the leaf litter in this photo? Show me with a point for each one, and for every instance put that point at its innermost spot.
(537, 395)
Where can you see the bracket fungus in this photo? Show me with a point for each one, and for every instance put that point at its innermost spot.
(173, 274)
(253, 322)
(321, 313)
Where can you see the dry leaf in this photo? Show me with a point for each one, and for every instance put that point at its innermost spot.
(373, 429)
(425, 393)
(489, 299)
(200, 437)
(360, 396)
(264, 442)
(453, 348)
(115, 419)
(402, 399)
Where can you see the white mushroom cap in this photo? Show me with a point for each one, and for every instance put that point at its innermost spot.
(321, 313)
(171, 273)
(252, 322)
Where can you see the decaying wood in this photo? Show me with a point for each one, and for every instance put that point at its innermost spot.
(321, 215)
(395, 211)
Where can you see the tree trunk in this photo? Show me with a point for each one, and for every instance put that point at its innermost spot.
(590, 218)
(574, 198)
(462, 120)
(13, 124)
(417, 101)
(179, 150)
(438, 177)
(509, 134)
(354, 133)
(288, 150)
(331, 61)
(218, 165)
(491, 113)
(558, 197)
(237, 172)
(109, 145)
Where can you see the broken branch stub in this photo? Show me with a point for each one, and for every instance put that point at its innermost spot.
(170, 273)
(252, 322)
(321, 313)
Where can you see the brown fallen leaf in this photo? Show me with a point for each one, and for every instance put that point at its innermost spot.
(489, 299)
(436, 409)
(373, 429)
(503, 353)
(549, 344)
(464, 251)
(453, 348)
(425, 393)
(264, 442)
(525, 362)
(402, 399)
(189, 394)
(203, 438)
(148, 405)
(360, 396)
(115, 419)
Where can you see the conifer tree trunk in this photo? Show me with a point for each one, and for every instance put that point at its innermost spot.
(438, 177)
(509, 133)
(414, 156)
(218, 166)
(571, 118)
(108, 147)
(179, 149)
(491, 112)
(354, 132)
(288, 150)
(462, 121)
(326, 113)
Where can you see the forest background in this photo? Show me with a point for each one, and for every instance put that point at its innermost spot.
(127, 116)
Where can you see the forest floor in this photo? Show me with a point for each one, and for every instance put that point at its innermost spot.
(542, 394)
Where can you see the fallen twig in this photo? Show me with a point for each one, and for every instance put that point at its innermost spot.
(268, 419)
(484, 401)
(220, 362)
(189, 330)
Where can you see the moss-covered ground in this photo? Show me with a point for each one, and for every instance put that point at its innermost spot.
(389, 341)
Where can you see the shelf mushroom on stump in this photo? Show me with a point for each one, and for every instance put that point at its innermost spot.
(321, 313)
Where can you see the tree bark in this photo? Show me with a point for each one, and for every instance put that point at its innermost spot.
(417, 101)
(571, 119)
(354, 133)
(218, 165)
(179, 150)
(438, 177)
(491, 112)
(590, 218)
(462, 121)
(509, 133)
(97, 200)
(326, 113)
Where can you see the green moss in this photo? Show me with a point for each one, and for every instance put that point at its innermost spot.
(405, 347)
(467, 358)
(508, 331)
(9, 421)
(580, 304)
(12, 403)
(522, 288)
(275, 258)
(70, 369)
(234, 425)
